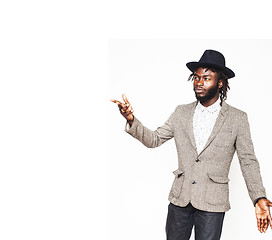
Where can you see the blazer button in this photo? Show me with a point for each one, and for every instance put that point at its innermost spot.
(193, 182)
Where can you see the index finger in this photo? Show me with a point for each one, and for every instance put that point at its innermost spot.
(117, 102)
(125, 98)
(258, 224)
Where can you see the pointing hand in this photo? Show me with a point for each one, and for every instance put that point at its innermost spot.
(125, 109)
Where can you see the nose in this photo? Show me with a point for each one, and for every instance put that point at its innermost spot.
(200, 82)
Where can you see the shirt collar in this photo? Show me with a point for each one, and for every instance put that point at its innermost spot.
(211, 109)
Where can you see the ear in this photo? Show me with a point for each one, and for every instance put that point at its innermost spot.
(220, 83)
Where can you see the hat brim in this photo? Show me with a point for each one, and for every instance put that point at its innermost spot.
(193, 66)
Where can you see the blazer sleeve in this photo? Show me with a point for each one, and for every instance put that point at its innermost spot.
(248, 161)
(149, 138)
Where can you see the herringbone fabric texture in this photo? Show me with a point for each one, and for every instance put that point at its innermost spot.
(202, 179)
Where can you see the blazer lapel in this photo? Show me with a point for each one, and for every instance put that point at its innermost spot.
(190, 124)
(218, 124)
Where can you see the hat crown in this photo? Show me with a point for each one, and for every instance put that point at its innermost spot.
(212, 57)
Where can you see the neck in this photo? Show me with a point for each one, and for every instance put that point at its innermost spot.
(209, 102)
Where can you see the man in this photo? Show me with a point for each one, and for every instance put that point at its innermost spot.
(207, 133)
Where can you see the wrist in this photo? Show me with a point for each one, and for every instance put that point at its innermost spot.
(257, 200)
(130, 121)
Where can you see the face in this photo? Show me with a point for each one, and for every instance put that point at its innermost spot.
(206, 86)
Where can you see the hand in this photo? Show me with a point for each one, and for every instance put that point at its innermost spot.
(263, 216)
(125, 109)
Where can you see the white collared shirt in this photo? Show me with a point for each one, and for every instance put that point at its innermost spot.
(203, 123)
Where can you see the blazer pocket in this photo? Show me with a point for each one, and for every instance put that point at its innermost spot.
(178, 182)
(217, 190)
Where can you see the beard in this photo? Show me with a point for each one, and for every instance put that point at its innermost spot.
(211, 93)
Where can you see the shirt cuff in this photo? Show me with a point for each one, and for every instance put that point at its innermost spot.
(127, 127)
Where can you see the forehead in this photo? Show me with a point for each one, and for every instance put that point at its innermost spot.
(201, 71)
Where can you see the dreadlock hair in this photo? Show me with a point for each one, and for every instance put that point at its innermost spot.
(221, 76)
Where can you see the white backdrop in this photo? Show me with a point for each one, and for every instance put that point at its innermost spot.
(47, 170)
(55, 111)
(153, 75)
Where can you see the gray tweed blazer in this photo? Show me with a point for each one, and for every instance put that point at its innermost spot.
(202, 179)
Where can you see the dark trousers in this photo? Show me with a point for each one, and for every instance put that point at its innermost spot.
(180, 221)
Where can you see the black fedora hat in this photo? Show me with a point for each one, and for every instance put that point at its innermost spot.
(214, 59)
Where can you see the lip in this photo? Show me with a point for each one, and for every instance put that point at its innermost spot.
(199, 90)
